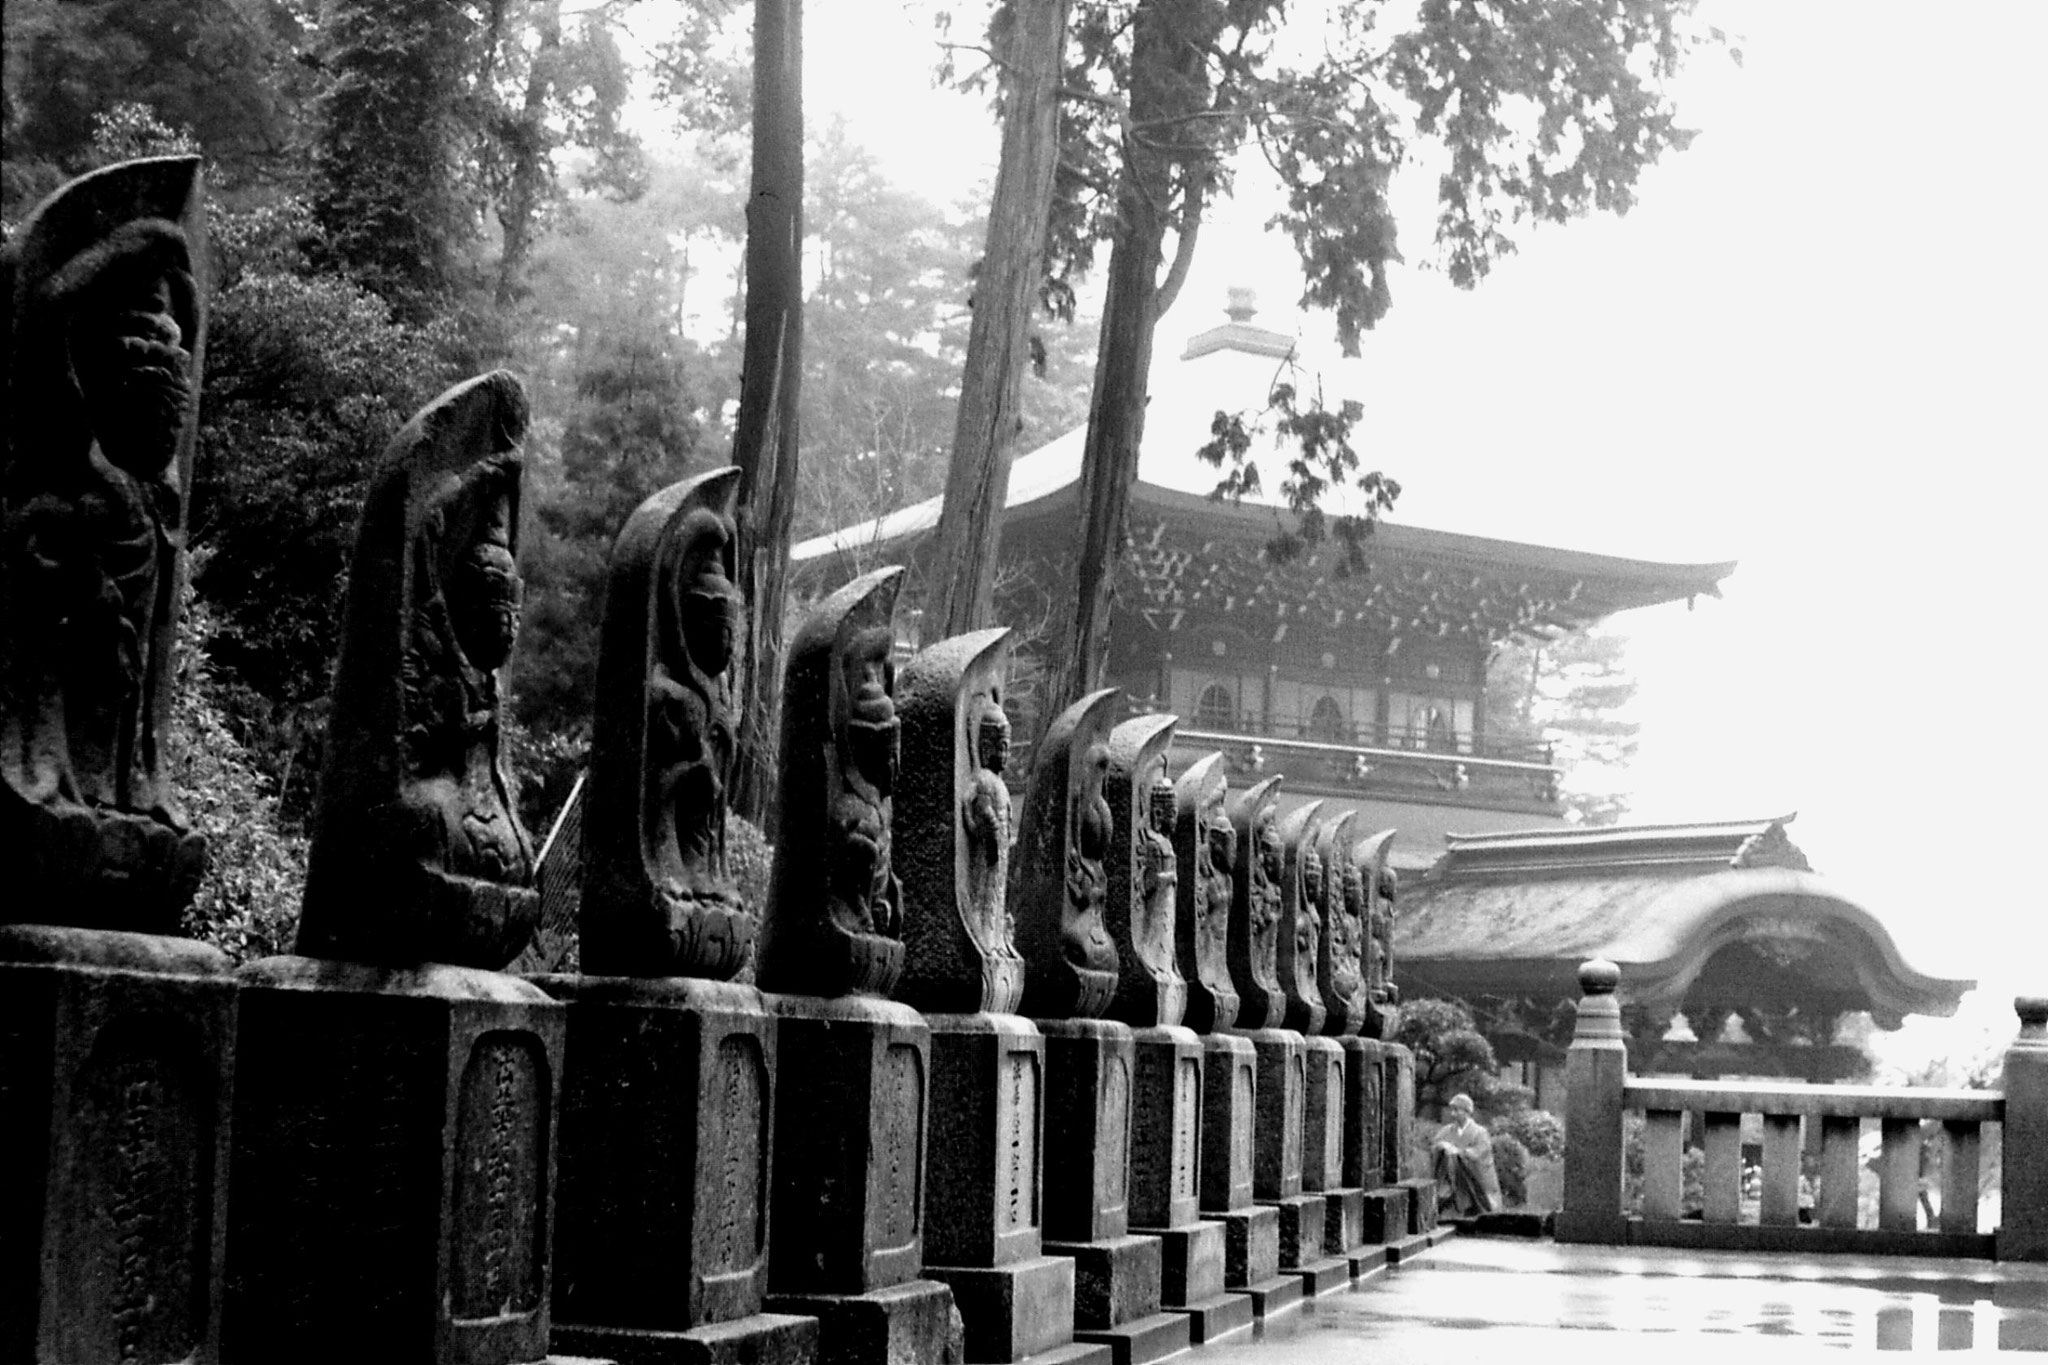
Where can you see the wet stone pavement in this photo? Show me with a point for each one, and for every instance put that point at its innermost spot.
(1492, 1300)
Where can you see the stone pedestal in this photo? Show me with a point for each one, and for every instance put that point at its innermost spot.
(988, 1080)
(1282, 1058)
(394, 1164)
(1322, 1148)
(846, 1197)
(1166, 1130)
(1090, 1068)
(1364, 1138)
(1251, 1232)
(662, 1210)
(116, 1082)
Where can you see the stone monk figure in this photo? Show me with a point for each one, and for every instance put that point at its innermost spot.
(1461, 1159)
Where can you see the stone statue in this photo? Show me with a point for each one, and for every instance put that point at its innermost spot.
(1255, 908)
(1377, 885)
(1300, 885)
(1338, 955)
(954, 829)
(1204, 846)
(1058, 883)
(658, 899)
(417, 853)
(1143, 878)
(105, 346)
(834, 921)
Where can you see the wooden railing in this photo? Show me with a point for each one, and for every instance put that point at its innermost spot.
(1796, 1120)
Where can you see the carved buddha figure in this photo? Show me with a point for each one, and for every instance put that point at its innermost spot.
(863, 894)
(417, 855)
(1256, 910)
(1222, 850)
(658, 897)
(1308, 921)
(106, 318)
(1348, 939)
(1383, 990)
(985, 816)
(1060, 884)
(1152, 927)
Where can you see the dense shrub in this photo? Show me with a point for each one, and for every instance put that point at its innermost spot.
(1540, 1132)
(1511, 1164)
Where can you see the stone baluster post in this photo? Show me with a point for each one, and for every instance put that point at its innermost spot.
(394, 1189)
(668, 1093)
(962, 970)
(2023, 1225)
(846, 1205)
(1596, 1068)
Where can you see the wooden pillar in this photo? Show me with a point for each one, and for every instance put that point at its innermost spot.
(1596, 1067)
(2023, 1230)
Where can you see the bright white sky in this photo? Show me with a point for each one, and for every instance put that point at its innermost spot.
(1815, 348)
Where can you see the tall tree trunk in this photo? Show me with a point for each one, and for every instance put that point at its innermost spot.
(529, 152)
(1168, 84)
(765, 431)
(962, 579)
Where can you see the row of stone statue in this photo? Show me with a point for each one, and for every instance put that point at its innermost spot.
(896, 826)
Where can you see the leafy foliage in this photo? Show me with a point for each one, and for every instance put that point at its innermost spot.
(1539, 1132)
(1572, 691)
(1511, 1165)
(1451, 1055)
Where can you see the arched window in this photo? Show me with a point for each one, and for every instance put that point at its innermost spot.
(1326, 722)
(1215, 709)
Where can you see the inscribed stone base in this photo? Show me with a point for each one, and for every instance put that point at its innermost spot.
(1142, 1340)
(1191, 1263)
(912, 1323)
(1229, 1099)
(1251, 1246)
(1088, 1065)
(1216, 1317)
(1397, 1115)
(849, 1154)
(1116, 1280)
(1301, 1229)
(982, 1195)
(758, 1339)
(1386, 1214)
(1322, 1115)
(1364, 1146)
(394, 1164)
(1276, 1126)
(1012, 1311)
(1343, 1221)
(116, 1085)
(661, 1220)
(1422, 1204)
(1166, 1108)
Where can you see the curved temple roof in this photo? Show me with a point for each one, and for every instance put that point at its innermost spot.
(1516, 914)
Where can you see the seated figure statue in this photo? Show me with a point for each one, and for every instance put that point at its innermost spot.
(1461, 1159)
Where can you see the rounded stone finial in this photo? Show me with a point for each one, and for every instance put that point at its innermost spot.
(1598, 977)
(2033, 1013)
(1243, 304)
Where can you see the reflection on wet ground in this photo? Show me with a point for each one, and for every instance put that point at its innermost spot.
(1473, 1299)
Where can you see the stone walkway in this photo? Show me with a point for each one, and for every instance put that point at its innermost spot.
(1496, 1300)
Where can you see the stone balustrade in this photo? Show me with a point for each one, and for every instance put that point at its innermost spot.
(1805, 1191)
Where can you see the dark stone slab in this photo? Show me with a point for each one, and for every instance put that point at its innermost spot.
(1367, 1262)
(1397, 1115)
(988, 1080)
(1191, 1263)
(668, 1092)
(1254, 938)
(1251, 1245)
(1213, 1319)
(1087, 1128)
(1166, 1115)
(658, 896)
(106, 323)
(1299, 934)
(394, 1164)
(1364, 1134)
(1343, 1221)
(1074, 1353)
(1301, 1229)
(834, 920)
(1324, 1275)
(759, 1339)
(1058, 879)
(1276, 1130)
(1013, 1311)
(849, 1148)
(1340, 893)
(1322, 1114)
(417, 851)
(1142, 1340)
(116, 1088)
(1422, 1203)
(1116, 1280)
(1229, 1104)
(1386, 1214)
(912, 1323)
(1270, 1298)
(1143, 875)
(954, 829)
(1204, 848)
(1407, 1249)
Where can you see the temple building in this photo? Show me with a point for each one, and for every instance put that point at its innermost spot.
(1368, 690)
